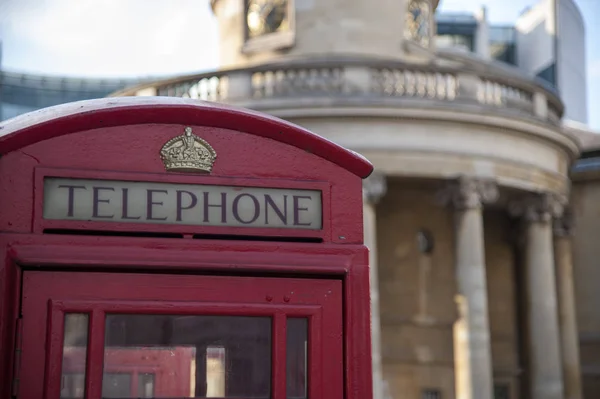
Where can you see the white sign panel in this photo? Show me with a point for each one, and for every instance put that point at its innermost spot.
(190, 204)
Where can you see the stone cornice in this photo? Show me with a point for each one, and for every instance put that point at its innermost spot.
(417, 110)
(408, 163)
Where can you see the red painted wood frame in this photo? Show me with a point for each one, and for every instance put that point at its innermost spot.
(93, 136)
(88, 254)
(47, 296)
(125, 136)
(40, 224)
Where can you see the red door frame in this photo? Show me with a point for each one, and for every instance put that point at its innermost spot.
(182, 295)
(348, 263)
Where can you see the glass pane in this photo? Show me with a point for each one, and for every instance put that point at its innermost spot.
(215, 372)
(74, 355)
(116, 385)
(169, 356)
(296, 352)
(146, 385)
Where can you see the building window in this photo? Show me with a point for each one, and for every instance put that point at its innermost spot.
(266, 16)
(503, 43)
(456, 31)
(269, 25)
(431, 394)
(425, 241)
(418, 26)
(460, 42)
(548, 74)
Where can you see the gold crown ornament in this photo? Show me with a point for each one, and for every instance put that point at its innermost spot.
(188, 153)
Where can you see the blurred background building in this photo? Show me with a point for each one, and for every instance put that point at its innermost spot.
(482, 286)
(24, 92)
(546, 42)
(532, 44)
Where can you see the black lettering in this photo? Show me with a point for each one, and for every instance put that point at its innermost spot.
(208, 205)
(150, 203)
(97, 202)
(71, 198)
(282, 215)
(297, 210)
(124, 208)
(180, 207)
(236, 214)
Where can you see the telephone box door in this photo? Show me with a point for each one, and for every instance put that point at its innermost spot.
(106, 335)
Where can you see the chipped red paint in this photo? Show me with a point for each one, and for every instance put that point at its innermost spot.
(120, 139)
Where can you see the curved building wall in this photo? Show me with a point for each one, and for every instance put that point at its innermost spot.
(319, 28)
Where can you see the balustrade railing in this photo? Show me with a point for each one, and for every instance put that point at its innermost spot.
(412, 82)
(365, 78)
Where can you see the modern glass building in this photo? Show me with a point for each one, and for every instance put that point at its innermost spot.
(21, 93)
(546, 42)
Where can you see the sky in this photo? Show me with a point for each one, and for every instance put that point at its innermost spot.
(133, 38)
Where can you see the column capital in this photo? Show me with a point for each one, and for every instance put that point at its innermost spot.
(541, 207)
(468, 193)
(374, 188)
(563, 225)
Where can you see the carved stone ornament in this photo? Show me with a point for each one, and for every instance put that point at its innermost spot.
(468, 193)
(563, 226)
(417, 22)
(374, 188)
(188, 153)
(538, 207)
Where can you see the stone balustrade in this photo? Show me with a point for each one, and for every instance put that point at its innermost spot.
(450, 81)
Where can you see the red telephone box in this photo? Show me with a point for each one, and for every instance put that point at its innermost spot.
(166, 248)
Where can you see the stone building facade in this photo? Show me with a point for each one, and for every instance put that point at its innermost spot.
(475, 286)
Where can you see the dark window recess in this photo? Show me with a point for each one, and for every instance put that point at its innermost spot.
(548, 74)
(466, 28)
(501, 391)
(456, 41)
(431, 394)
(504, 52)
(425, 241)
(452, 31)
(503, 46)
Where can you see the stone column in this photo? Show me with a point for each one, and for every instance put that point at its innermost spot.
(473, 359)
(567, 316)
(542, 336)
(374, 188)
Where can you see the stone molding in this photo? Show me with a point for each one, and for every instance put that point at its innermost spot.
(374, 188)
(333, 76)
(468, 193)
(542, 207)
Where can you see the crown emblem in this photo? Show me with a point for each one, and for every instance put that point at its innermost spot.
(188, 153)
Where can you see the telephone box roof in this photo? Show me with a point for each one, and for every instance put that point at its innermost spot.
(69, 118)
